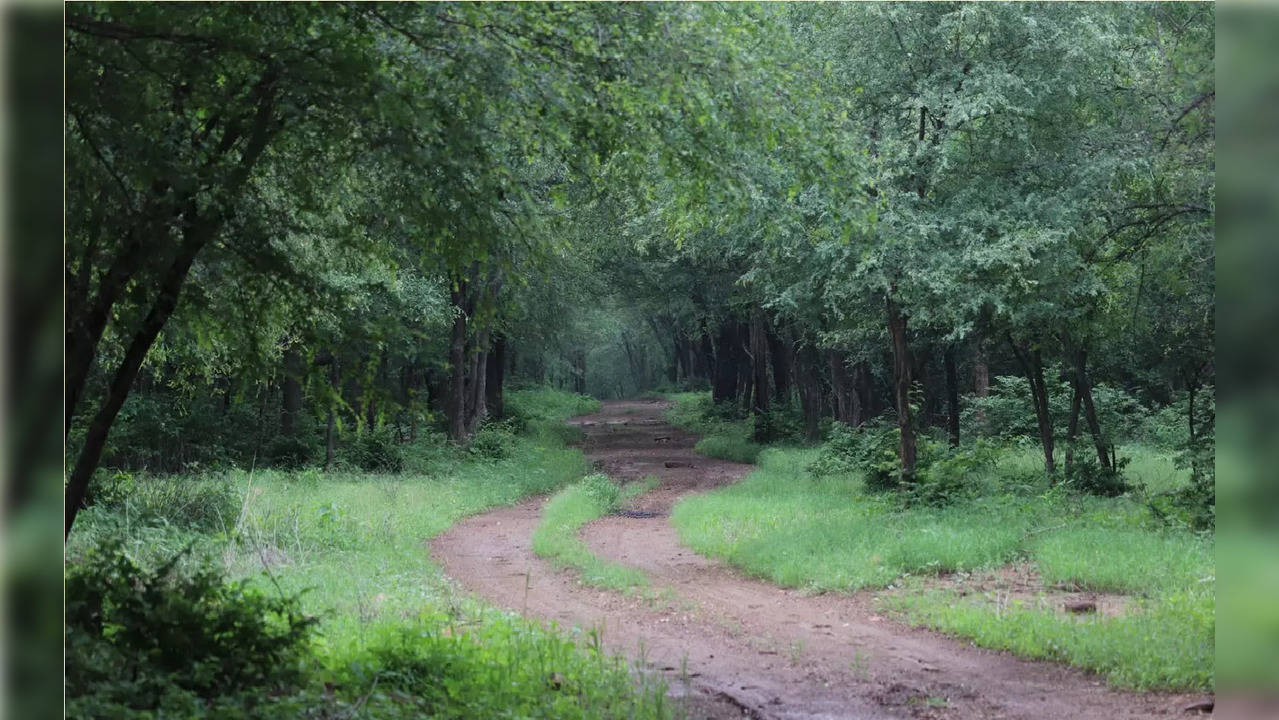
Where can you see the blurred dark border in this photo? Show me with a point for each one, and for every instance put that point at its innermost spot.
(1248, 360)
(32, 546)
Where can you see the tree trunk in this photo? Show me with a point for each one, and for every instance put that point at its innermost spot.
(579, 371)
(330, 430)
(165, 302)
(780, 350)
(1032, 364)
(291, 393)
(1072, 429)
(1084, 388)
(476, 410)
(847, 404)
(810, 391)
(952, 396)
(981, 377)
(455, 404)
(759, 362)
(496, 376)
(901, 388)
(726, 350)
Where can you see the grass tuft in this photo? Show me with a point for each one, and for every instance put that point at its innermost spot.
(556, 537)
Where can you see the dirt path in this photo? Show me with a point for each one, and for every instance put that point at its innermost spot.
(731, 646)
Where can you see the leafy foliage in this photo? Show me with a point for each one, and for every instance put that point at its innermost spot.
(156, 638)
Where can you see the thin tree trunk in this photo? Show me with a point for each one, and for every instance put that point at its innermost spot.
(455, 404)
(1084, 388)
(780, 350)
(725, 380)
(291, 393)
(759, 362)
(100, 427)
(844, 396)
(1032, 365)
(981, 377)
(810, 391)
(1072, 430)
(330, 430)
(901, 388)
(952, 396)
(496, 375)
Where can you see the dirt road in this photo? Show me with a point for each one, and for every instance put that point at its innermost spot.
(731, 646)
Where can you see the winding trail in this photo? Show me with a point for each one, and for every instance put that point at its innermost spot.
(731, 646)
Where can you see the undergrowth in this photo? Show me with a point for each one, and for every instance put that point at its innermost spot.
(392, 638)
(725, 435)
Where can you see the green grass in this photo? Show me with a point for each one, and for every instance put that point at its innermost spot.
(556, 536)
(726, 439)
(395, 635)
(828, 534)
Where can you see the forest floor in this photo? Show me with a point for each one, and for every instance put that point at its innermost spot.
(731, 646)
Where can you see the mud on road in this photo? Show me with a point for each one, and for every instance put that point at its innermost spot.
(731, 646)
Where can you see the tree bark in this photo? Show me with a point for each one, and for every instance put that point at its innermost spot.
(981, 377)
(847, 402)
(952, 396)
(496, 376)
(455, 404)
(901, 388)
(1084, 388)
(726, 350)
(759, 362)
(781, 351)
(810, 391)
(1032, 364)
(330, 430)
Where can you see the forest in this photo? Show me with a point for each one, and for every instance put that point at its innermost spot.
(900, 306)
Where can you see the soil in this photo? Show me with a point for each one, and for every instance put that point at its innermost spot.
(731, 646)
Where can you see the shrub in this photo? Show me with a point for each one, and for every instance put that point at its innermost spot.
(870, 449)
(160, 638)
(495, 441)
(288, 451)
(377, 450)
(944, 475)
(1088, 476)
(780, 424)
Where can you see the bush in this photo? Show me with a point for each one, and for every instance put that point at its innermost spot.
(376, 450)
(870, 449)
(782, 424)
(158, 638)
(495, 441)
(944, 475)
(1088, 476)
(288, 451)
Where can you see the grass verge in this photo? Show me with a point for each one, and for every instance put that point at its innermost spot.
(785, 525)
(395, 639)
(556, 537)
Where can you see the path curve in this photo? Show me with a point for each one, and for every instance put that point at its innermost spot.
(731, 646)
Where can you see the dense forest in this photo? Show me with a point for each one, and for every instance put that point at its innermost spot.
(334, 241)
